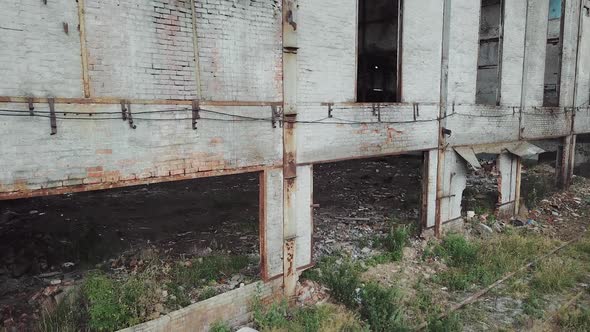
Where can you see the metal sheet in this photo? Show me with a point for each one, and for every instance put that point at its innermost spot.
(524, 149)
(468, 154)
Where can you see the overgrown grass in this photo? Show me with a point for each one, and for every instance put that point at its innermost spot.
(203, 270)
(451, 323)
(484, 261)
(575, 320)
(69, 316)
(220, 326)
(556, 274)
(278, 317)
(378, 306)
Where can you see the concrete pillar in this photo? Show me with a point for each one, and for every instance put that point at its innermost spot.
(565, 162)
(508, 184)
(271, 222)
(429, 176)
(451, 185)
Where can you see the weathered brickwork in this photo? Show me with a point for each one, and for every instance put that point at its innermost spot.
(327, 51)
(40, 49)
(102, 152)
(240, 51)
(141, 49)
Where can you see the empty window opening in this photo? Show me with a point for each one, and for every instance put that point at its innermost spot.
(553, 55)
(175, 243)
(582, 156)
(490, 52)
(378, 50)
(361, 200)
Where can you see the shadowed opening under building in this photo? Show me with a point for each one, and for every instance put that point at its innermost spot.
(197, 238)
(360, 200)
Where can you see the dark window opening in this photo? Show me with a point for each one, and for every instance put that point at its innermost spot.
(490, 52)
(553, 56)
(378, 40)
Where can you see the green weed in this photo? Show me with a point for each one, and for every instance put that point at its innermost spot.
(450, 323)
(556, 274)
(575, 320)
(380, 308)
(220, 326)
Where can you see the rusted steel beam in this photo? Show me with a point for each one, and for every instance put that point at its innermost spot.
(24, 193)
(290, 48)
(116, 101)
(83, 48)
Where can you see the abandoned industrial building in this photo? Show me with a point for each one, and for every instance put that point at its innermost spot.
(247, 127)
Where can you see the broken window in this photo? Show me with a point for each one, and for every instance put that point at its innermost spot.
(490, 52)
(378, 57)
(361, 200)
(553, 55)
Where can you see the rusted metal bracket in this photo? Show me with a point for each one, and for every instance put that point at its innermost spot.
(377, 111)
(123, 110)
(31, 106)
(446, 131)
(416, 110)
(196, 114)
(130, 117)
(330, 109)
(52, 118)
(276, 116)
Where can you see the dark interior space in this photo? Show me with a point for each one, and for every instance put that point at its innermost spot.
(490, 52)
(359, 200)
(481, 191)
(378, 39)
(54, 241)
(582, 156)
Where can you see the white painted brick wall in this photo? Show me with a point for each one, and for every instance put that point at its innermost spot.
(108, 151)
(513, 52)
(569, 52)
(37, 58)
(317, 142)
(463, 51)
(273, 221)
(326, 57)
(240, 49)
(422, 47)
(482, 124)
(536, 49)
(583, 77)
(140, 49)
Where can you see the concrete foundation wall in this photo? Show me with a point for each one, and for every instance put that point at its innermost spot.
(233, 307)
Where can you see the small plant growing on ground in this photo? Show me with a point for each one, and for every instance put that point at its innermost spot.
(450, 323)
(575, 320)
(220, 326)
(396, 240)
(381, 309)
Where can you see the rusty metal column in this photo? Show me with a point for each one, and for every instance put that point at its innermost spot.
(289, 146)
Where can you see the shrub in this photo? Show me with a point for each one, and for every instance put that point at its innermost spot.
(380, 308)
(220, 326)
